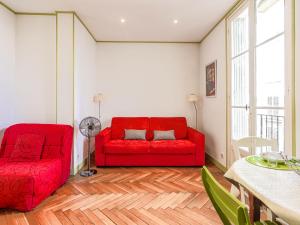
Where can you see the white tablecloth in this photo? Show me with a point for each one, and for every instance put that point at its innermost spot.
(279, 190)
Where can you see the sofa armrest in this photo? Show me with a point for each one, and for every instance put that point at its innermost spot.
(3, 139)
(100, 140)
(198, 138)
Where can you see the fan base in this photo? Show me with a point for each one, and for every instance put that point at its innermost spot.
(88, 173)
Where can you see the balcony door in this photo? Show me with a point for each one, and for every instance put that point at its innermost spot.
(256, 60)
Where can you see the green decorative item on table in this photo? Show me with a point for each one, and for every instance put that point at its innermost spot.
(281, 165)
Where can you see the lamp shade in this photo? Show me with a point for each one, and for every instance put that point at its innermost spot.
(98, 98)
(192, 98)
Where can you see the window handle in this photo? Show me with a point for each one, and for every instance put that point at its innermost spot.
(247, 107)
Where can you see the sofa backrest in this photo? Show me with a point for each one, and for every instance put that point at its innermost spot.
(178, 124)
(119, 124)
(55, 138)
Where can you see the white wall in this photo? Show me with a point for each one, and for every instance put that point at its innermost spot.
(7, 66)
(65, 68)
(85, 84)
(145, 79)
(213, 110)
(35, 80)
(27, 68)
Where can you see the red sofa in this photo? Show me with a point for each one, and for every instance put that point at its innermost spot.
(112, 150)
(24, 184)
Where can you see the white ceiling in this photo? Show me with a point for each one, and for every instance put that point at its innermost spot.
(146, 20)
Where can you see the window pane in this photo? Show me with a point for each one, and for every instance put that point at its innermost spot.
(240, 80)
(270, 124)
(269, 19)
(270, 73)
(239, 124)
(239, 33)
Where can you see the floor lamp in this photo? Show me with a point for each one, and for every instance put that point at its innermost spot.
(98, 99)
(193, 98)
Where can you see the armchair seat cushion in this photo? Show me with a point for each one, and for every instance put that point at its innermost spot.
(3, 161)
(23, 185)
(127, 147)
(172, 147)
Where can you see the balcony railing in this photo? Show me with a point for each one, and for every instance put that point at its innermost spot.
(271, 127)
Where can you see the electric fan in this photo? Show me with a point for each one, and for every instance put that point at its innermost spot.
(89, 127)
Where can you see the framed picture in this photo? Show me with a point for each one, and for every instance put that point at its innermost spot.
(211, 79)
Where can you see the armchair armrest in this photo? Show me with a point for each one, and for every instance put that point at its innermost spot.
(199, 139)
(100, 140)
(67, 152)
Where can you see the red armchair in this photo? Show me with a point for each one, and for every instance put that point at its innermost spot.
(187, 150)
(24, 183)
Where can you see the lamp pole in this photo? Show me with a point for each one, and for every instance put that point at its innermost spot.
(99, 103)
(97, 99)
(196, 111)
(193, 98)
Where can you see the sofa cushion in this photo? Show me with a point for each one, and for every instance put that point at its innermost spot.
(132, 134)
(172, 147)
(127, 147)
(164, 135)
(28, 148)
(119, 124)
(178, 124)
(24, 184)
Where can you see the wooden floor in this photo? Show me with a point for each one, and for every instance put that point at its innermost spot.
(138, 195)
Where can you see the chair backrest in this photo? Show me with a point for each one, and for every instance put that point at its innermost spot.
(252, 143)
(228, 207)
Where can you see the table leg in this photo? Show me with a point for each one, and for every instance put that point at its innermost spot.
(254, 208)
(254, 204)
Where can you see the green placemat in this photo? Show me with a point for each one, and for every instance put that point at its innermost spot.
(259, 161)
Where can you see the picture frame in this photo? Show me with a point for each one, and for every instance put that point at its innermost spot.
(211, 79)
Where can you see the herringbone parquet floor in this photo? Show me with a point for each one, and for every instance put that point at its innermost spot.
(139, 195)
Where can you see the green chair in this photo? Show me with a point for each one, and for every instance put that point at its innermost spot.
(229, 208)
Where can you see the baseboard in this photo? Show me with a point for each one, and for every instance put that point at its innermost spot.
(216, 163)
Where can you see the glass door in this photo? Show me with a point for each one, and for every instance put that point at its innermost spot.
(257, 71)
(240, 83)
(270, 70)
